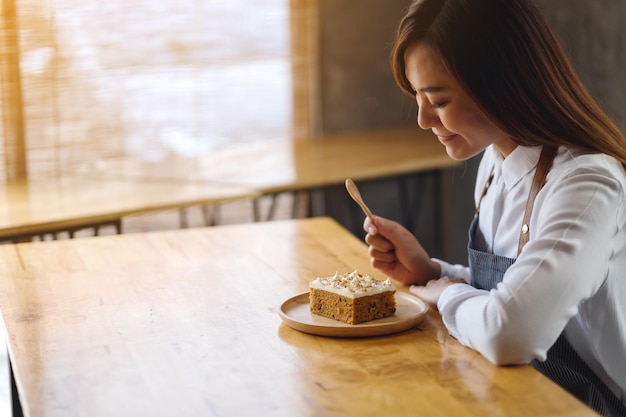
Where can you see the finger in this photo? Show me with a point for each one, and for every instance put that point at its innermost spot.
(392, 230)
(386, 268)
(369, 227)
(422, 293)
(415, 289)
(389, 256)
(418, 291)
(380, 243)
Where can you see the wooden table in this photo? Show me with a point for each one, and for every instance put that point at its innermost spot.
(288, 165)
(292, 166)
(68, 204)
(185, 323)
(125, 187)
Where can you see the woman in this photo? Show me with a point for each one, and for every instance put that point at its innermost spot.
(546, 283)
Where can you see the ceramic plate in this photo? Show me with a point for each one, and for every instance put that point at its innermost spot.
(410, 311)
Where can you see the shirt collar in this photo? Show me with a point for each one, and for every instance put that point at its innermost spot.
(518, 164)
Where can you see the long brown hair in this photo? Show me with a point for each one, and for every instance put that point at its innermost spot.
(511, 64)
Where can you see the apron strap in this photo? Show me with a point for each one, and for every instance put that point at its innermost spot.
(485, 188)
(543, 166)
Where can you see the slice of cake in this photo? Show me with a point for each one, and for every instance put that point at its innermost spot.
(352, 298)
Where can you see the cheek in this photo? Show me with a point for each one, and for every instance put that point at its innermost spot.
(472, 123)
(473, 117)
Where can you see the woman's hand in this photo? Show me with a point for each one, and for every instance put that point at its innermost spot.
(431, 292)
(397, 253)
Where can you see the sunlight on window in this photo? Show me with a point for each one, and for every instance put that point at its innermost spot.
(150, 79)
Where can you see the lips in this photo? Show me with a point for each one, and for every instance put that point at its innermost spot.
(445, 138)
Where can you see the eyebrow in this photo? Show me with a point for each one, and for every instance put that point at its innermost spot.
(434, 89)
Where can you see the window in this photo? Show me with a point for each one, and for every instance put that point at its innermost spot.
(87, 81)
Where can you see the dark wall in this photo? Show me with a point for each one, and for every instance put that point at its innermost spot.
(357, 88)
(593, 33)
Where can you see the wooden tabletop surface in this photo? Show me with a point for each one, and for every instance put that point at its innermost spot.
(185, 323)
(124, 187)
(292, 165)
(36, 207)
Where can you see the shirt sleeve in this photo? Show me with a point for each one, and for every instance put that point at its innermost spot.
(453, 271)
(564, 263)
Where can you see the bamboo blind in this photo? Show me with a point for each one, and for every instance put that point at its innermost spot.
(88, 80)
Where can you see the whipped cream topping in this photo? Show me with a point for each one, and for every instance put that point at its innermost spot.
(352, 285)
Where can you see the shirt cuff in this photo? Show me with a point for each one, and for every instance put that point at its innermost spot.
(453, 271)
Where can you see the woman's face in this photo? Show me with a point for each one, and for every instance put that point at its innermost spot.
(446, 109)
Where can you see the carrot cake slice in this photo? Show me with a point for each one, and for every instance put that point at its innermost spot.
(352, 298)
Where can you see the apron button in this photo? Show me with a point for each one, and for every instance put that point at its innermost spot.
(525, 228)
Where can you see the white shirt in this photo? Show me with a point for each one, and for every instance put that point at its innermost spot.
(571, 274)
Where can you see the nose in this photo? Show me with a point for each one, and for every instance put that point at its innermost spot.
(426, 117)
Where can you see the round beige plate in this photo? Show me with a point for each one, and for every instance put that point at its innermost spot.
(410, 311)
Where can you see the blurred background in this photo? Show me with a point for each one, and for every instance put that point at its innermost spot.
(85, 84)
(91, 81)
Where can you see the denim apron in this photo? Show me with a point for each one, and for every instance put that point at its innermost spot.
(562, 365)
